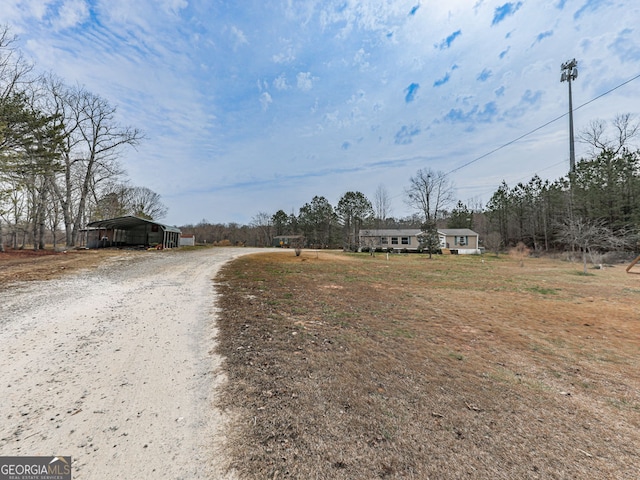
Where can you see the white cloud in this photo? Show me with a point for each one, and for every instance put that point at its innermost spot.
(239, 36)
(373, 15)
(305, 81)
(284, 57)
(174, 6)
(360, 59)
(72, 13)
(281, 82)
(131, 16)
(16, 10)
(262, 85)
(265, 100)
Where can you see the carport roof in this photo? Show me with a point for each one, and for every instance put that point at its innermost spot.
(127, 223)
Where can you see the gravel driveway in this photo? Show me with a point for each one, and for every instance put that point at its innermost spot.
(115, 367)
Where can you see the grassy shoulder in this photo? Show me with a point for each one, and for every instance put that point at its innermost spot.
(351, 366)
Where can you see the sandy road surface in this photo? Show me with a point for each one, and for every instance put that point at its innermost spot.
(114, 367)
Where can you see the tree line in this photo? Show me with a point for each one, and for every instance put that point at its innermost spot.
(595, 208)
(318, 223)
(322, 224)
(59, 151)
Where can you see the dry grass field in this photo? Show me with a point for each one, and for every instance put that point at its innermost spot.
(346, 366)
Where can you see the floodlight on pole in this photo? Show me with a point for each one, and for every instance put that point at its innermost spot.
(569, 73)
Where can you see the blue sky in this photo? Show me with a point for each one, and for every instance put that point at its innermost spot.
(255, 106)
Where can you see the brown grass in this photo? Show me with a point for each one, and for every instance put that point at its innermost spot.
(344, 366)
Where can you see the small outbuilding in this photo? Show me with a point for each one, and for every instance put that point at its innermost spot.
(131, 231)
(287, 241)
(187, 240)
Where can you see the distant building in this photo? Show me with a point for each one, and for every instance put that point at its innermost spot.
(288, 241)
(187, 240)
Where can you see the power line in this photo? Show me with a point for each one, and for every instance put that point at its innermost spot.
(535, 130)
(540, 127)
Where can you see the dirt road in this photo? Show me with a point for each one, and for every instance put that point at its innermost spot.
(115, 367)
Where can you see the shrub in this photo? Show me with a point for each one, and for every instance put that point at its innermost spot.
(520, 252)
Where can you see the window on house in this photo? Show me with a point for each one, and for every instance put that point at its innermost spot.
(384, 240)
(406, 241)
(394, 240)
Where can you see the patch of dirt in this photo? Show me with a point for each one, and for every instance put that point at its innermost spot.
(350, 366)
(30, 265)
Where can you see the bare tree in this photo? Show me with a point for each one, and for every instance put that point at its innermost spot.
(59, 149)
(101, 139)
(493, 242)
(263, 222)
(93, 143)
(59, 103)
(15, 71)
(587, 236)
(144, 202)
(113, 201)
(368, 242)
(600, 139)
(381, 205)
(430, 192)
(119, 199)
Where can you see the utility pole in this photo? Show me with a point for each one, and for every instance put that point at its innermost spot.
(570, 72)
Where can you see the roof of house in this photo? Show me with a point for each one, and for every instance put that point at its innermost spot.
(412, 232)
(459, 232)
(129, 222)
(390, 232)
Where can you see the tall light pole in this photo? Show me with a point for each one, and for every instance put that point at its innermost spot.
(570, 72)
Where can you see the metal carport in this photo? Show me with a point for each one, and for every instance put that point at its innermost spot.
(131, 231)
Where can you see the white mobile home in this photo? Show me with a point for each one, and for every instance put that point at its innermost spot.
(459, 240)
